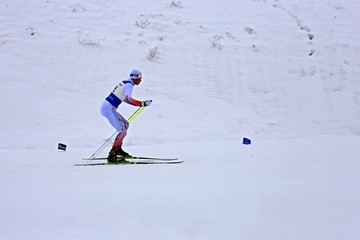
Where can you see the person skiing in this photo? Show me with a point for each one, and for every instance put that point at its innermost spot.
(121, 93)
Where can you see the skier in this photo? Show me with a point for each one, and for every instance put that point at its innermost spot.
(121, 93)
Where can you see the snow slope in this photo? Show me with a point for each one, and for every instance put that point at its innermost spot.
(282, 73)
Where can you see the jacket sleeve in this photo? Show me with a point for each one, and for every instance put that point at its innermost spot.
(132, 101)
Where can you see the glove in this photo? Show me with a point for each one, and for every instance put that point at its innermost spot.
(146, 103)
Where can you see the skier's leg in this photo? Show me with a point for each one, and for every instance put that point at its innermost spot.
(120, 124)
(117, 146)
(122, 133)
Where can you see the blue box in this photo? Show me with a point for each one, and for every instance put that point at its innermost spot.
(246, 141)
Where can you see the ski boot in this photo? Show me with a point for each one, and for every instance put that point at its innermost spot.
(118, 156)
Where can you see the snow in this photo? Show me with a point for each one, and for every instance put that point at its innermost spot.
(281, 73)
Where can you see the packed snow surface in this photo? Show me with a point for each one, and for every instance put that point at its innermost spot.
(282, 73)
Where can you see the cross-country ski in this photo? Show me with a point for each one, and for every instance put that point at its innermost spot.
(129, 162)
(131, 157)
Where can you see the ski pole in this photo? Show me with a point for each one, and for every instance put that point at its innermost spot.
(137, 110)
(107, 141)
(102, 146)
(132, 117)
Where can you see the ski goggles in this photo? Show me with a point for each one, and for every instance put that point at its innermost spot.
(135, 76)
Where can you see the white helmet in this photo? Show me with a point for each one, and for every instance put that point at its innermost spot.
(135, 74)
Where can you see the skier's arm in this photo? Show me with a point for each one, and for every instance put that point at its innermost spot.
(128, 99)
(138, 103)
(132, 101)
